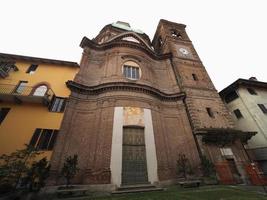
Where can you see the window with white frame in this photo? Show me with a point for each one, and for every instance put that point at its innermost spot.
(131, 70)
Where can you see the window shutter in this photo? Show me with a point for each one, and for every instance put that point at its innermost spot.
(63, 105)
(51, 103)
(46, 135)
(35, 137)
(3, 114)
(53, 140)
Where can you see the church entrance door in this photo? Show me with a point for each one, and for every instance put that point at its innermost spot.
(134, 167)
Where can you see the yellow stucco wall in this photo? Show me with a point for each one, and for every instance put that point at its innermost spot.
(22, 120)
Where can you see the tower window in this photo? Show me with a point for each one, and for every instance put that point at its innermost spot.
(160, 41)
(263, 108)
(31, 69)
(3, 113)
(195, 77)
(210, 113)
(43, 139)
(238, 113)
(176, 34)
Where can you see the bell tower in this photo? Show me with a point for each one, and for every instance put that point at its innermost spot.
(211, 123)
(205, 108)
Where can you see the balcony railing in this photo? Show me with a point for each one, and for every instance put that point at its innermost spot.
(19, 94)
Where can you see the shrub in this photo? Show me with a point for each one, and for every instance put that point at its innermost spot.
(70, 168)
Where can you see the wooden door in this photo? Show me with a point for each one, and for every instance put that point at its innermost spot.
(134, 167)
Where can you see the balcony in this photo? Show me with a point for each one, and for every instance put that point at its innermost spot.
(6, 68)
(22, 93)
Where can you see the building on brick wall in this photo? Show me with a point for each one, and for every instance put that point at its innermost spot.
(136, 104)
(246, 100)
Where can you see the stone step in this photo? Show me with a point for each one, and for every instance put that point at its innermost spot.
(136, 190)
(137, 186)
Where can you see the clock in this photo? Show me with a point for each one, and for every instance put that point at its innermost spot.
(184, 51)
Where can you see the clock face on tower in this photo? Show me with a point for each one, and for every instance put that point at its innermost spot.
(184, 51)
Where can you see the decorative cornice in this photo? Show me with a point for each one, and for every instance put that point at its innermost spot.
(120, 43)
(123, 86)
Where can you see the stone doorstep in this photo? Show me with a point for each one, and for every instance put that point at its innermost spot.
(136, 188)
(127, 187)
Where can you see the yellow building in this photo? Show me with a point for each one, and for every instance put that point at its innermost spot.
(33, 95)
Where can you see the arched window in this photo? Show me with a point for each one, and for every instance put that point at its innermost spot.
(131, 70)
(40, 90)
(176, 34)
(160, 41)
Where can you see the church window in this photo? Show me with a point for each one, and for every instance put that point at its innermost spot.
(195, 77)
(43, 139)
(210, 113)
(131, 70)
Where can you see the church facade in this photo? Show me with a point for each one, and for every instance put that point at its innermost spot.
(135, 105)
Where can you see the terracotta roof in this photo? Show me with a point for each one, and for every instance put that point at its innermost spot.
(36, 60)
(242, 82)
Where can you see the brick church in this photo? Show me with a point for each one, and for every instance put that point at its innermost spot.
(136, 104)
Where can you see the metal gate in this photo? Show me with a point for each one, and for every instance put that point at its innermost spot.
(134, 167)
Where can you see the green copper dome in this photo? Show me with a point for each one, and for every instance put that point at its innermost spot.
(126, 26)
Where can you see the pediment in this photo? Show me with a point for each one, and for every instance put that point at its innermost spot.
(130, 37)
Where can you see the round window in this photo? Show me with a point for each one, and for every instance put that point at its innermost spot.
(131, 70)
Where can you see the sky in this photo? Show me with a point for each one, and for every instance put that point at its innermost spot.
(230, 36)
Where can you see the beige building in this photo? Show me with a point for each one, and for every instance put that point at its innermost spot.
(247, 101)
